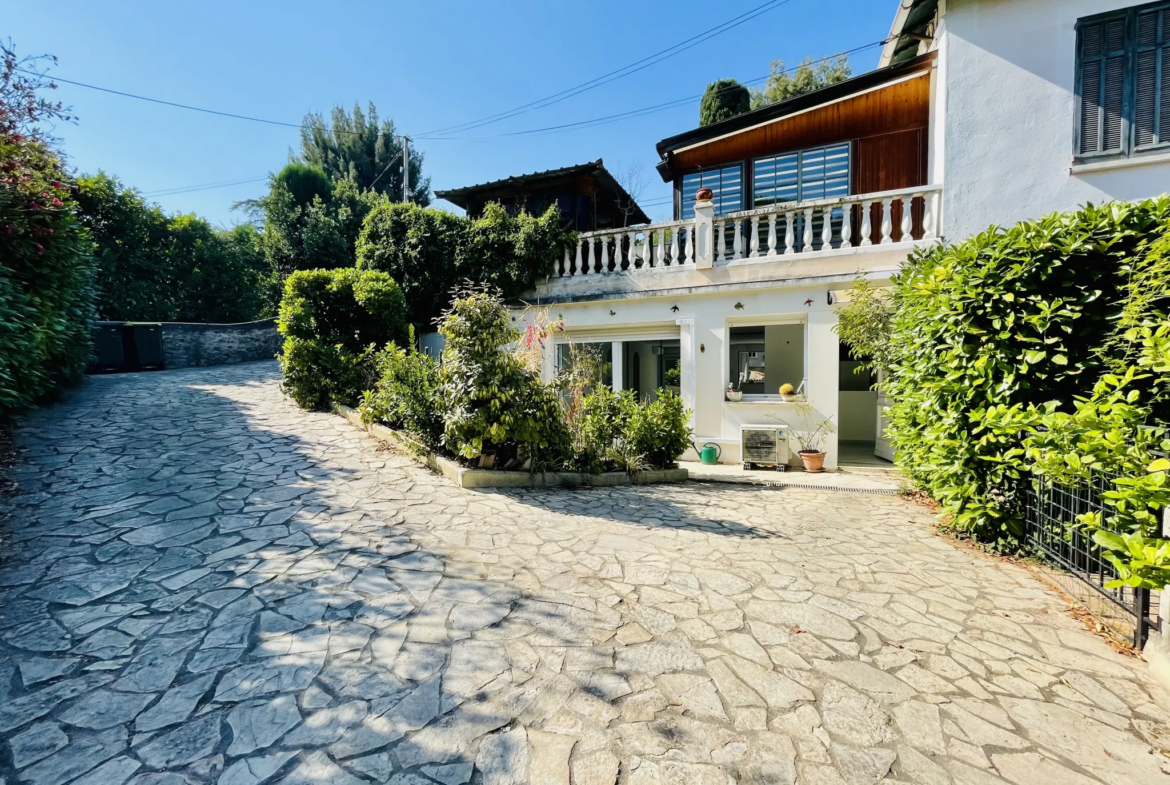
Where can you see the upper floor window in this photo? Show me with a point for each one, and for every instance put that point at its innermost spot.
(725, 182)
(1123, 81)
(816, 173)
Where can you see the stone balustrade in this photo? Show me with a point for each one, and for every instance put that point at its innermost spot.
(849, 224)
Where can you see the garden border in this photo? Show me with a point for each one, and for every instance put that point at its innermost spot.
(465, 477)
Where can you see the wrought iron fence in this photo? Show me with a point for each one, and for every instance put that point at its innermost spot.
(1052, 514)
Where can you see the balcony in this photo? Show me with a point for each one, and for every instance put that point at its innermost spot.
(794, 240)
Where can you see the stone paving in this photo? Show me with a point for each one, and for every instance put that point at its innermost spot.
(206, 585)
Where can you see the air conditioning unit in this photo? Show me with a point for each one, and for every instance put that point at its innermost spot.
(764, 445)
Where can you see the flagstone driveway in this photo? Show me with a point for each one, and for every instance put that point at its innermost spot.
(204, 584)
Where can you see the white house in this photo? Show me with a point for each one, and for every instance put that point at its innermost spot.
(981, 112)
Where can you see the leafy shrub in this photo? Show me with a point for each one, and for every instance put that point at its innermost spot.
(1009, 318)
(418, 247)
(45, 276)
(659, 431)
(492, 403)
(511, 252)
(617, 432)
(333, 321)
(598, 429)
(407, 395)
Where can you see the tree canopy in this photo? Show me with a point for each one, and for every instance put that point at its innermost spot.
(783, 84)
(723, 99)
(360, 148)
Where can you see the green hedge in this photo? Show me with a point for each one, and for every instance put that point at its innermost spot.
(429, 252)
(333, 322)
(1009, 318)
(418, 247)
(45, 277)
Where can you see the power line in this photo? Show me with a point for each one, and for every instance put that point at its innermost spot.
(655, 108)
(203, 187)
(620, 73)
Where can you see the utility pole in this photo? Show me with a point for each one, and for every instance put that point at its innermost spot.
(405, 168)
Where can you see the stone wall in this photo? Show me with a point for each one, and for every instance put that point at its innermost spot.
(191, 345)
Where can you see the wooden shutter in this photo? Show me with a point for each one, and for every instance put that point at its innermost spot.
(1102, 64)
(1151, 80)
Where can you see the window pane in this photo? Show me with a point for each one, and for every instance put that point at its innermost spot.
(591, 362)
(763, 359)
(726, 184)
(817, 173)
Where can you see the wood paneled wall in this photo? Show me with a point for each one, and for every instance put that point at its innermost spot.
(888, 129)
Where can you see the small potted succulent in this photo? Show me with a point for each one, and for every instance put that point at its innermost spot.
(787, 393)
(733, 394)
(811, 436)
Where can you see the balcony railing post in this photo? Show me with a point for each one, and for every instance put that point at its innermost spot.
(588, 258)
(771, 234)
(755, 236)
(846, 225)
(827, 229)
(908, 218)
(660, 248)
(887, 221)
(674, 245)
(866, 223)
(807, 240)
(703, 248)
(737, 240)
(789, 234)
(604, 255)
(632, 253)
(557, 269)
(579, 266)
(930, 216)
(720, 242)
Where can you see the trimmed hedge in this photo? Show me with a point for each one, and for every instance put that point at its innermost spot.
(333, 322)
(45, 277)
(1015, 317)
(418, 247)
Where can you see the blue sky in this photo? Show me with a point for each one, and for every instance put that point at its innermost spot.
(427, 65)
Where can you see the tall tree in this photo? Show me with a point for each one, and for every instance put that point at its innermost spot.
(723, 99)
(806, 77)
(357, 147)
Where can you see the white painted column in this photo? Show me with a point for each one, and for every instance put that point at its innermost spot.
(823, 370)
(703, 252)
(548, 361)
(686, 336)
(618, 369)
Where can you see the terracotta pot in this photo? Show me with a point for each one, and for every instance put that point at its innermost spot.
(704, 195)
(813, 461)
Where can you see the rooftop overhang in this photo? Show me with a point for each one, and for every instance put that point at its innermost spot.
(503, 188)
(677, 153)
(913, 25)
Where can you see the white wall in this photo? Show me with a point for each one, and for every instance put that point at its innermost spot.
(714, 313)
(1009, 116)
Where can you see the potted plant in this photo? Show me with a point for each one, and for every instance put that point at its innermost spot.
(733, 394)
(787, 393)
(811, 436)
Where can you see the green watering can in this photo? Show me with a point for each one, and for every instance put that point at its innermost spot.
(709, 453)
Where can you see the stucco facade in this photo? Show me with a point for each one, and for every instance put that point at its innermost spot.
(1000, 149)
(1006, 97)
